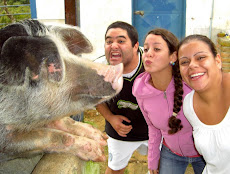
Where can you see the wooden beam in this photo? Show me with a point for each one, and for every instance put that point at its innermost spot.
(72, 12)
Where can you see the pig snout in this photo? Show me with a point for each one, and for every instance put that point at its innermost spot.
(113, 74)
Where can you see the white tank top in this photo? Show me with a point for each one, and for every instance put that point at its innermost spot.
(211, 141)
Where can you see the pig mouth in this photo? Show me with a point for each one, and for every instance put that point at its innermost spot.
(100, 90)
(90, 98)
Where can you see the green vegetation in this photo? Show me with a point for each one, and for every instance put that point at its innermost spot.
(13, 11)
(92, 168)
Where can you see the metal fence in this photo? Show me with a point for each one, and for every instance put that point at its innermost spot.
(8, 14)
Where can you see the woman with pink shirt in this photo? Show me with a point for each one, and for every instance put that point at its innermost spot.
(160, 92)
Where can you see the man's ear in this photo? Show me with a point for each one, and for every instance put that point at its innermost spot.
(136, 46)
(218, 61)
(173, 56)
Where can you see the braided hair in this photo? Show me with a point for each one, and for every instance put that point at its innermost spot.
(175, 123)
(172, 42)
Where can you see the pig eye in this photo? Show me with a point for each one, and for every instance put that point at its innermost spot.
(54, 70)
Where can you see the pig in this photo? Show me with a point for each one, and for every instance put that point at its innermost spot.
(46, 76)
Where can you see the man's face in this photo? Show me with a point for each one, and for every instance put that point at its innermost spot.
(118, 47)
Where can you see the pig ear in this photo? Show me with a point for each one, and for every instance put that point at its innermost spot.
(10, 31)
(26, 52)
(76, 42)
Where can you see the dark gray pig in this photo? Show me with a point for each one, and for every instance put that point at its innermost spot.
(44, 80)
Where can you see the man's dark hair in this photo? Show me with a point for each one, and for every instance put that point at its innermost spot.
(131, 30)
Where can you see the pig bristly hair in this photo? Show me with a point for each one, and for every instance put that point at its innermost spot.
(43, 78)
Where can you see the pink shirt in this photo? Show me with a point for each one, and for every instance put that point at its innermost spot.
(157, 107)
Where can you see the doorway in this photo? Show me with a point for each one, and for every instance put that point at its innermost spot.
(150, 14)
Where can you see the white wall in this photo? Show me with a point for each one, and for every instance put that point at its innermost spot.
(207, 17)
(51, 11)
(96, 15)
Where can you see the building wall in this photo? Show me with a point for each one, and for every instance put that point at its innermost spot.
(207, 17)
(51, 11)
(95, 16)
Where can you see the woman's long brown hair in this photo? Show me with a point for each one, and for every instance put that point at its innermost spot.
(174, 123)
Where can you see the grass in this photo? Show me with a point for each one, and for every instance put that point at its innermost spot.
(92, 168)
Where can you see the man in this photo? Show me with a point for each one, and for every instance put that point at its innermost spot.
(125, 124)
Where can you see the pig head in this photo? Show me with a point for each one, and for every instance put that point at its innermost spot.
(44, 79)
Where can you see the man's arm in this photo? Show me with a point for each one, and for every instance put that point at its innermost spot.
(114, 120)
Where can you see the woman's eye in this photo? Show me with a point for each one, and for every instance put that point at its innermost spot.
(201, 57)
(184, 62)
(157, 49)
(145, 49)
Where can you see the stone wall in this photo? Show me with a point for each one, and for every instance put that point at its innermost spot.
(223, 47)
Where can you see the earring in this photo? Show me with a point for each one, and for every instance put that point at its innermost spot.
(172, 63)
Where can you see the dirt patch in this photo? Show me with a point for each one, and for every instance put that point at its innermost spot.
(137, 164)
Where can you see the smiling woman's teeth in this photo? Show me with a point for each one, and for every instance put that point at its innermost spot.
(197, 74)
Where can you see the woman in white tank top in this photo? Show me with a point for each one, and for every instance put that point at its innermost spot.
(207, 106)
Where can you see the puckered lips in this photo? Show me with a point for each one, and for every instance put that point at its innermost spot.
(148, 62)
(196, 76)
